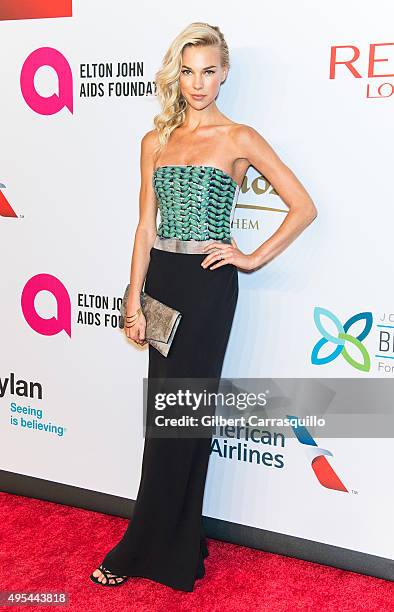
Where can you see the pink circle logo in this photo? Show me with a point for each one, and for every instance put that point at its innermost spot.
(47, 56)
(54, 325)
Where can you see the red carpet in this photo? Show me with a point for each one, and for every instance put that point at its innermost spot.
(46, 546)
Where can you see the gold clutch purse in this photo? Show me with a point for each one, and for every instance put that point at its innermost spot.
(161, 321)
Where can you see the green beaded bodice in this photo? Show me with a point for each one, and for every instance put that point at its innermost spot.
(195, 202)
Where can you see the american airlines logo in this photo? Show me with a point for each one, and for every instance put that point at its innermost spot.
(6, 209)
(35, 9)
(324, 472)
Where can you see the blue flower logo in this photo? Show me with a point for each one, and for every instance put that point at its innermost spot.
(342, 338)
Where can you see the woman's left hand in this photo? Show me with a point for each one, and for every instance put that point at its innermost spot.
(227, 254)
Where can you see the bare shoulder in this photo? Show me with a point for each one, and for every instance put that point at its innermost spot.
(149, 140)
(244, 134)
(250, 144)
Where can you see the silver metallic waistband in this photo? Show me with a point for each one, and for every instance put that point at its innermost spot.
(177, 245)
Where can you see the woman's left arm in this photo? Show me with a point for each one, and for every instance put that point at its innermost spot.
(302, 211)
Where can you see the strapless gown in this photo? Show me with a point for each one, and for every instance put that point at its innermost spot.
(165, 539)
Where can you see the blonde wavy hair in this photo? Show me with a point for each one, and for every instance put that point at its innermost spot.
(172, 102)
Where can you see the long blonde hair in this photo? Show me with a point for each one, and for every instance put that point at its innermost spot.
(172, 102)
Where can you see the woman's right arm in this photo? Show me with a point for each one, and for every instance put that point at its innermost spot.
(144, 238)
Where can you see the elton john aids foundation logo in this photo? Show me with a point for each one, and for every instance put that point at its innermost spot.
(47, 105)
(321, 467)
(342, 338)
(54, 325)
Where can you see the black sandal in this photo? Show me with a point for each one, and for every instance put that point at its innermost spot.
(108, 576)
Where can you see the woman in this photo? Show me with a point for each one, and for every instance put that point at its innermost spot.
(192, 166)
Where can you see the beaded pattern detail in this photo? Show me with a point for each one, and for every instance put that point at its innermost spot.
(195, 202)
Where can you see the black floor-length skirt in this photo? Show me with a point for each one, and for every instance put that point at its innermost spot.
(165, 540)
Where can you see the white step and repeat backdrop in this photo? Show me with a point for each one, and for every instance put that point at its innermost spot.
(77, 95)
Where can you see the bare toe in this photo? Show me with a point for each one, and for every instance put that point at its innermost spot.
(110, 577)
(99, 574)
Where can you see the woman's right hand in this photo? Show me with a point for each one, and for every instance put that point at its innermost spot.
(137, 331)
